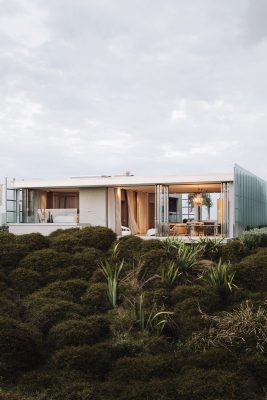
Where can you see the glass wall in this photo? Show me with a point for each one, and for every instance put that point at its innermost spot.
(250, 193)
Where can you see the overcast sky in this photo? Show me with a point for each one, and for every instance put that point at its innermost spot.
(150, 86)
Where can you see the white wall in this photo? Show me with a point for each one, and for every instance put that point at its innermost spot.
(93, 206)
(44, 229)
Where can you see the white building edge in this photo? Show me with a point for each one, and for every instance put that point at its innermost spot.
(138, 205)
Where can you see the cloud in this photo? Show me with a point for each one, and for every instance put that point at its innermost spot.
(154, 87)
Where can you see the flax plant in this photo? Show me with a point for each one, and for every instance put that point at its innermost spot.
(112, 272)
(221, 278)
(150, 322)
(170, 273)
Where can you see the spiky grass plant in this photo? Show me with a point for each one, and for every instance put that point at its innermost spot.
(152, 322)
(220, 278)
(112, 272)
(210, 248)
(187, 257)
(169, 273)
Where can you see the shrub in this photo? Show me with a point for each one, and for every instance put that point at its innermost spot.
(95, 299)
(254, 238)
(79, 332)
(129, 247)
(146, 367)
(203, 296)
(46, 261)
(251, 272)
(71, 272)
(45, 313)
(89, 259)
(67, 242)
(11, 254)
(98, 237)
(7, 238)
(25, 281)
(20, 345)
(12, 396)
(198, 384)
(7, 305)
(93, 360)
(76, 391)
(151, 244)
(70, 290)
(33, 241)
(233, 251)
(152, 262)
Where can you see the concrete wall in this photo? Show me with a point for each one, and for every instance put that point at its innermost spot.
(44, 229)
(93, 206)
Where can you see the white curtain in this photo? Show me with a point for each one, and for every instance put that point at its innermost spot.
(142, 212)
(118, 211)
(131, 212)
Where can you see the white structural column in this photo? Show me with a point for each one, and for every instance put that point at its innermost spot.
(162, 210)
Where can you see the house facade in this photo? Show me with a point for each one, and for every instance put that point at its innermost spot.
(193, 206)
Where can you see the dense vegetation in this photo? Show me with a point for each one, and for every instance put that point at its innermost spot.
(87, 317)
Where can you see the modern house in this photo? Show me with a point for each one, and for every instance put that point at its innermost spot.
(191, 206)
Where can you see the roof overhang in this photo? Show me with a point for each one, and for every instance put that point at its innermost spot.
(117, 181)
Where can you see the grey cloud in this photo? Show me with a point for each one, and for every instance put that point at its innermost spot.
(156, 87)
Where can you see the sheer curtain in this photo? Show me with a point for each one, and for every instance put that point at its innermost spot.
(142, 212)
(131, 212)
(118, 211)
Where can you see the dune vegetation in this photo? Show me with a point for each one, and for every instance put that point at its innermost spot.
(84, 316)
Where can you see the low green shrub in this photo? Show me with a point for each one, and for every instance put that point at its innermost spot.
(129, 247)
(254, 238)
(151, 244)
(76, 391)
(79, 332)
(146, 367)
(7, 238)
(233, 251)
(94, 361)
(210, 384)
(20, 345)
(33, 241)
(11, 254)
(251, 272)
(89, 258)
(12, 396)
(65, 274)
(98, 237)
(67, 242)
(95, 299)
(204, 297)
(152, 262)
(45, 261)
(44, 313)
(70, 290)
(25, 281)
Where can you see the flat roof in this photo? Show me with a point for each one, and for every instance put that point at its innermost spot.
(121, 180)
